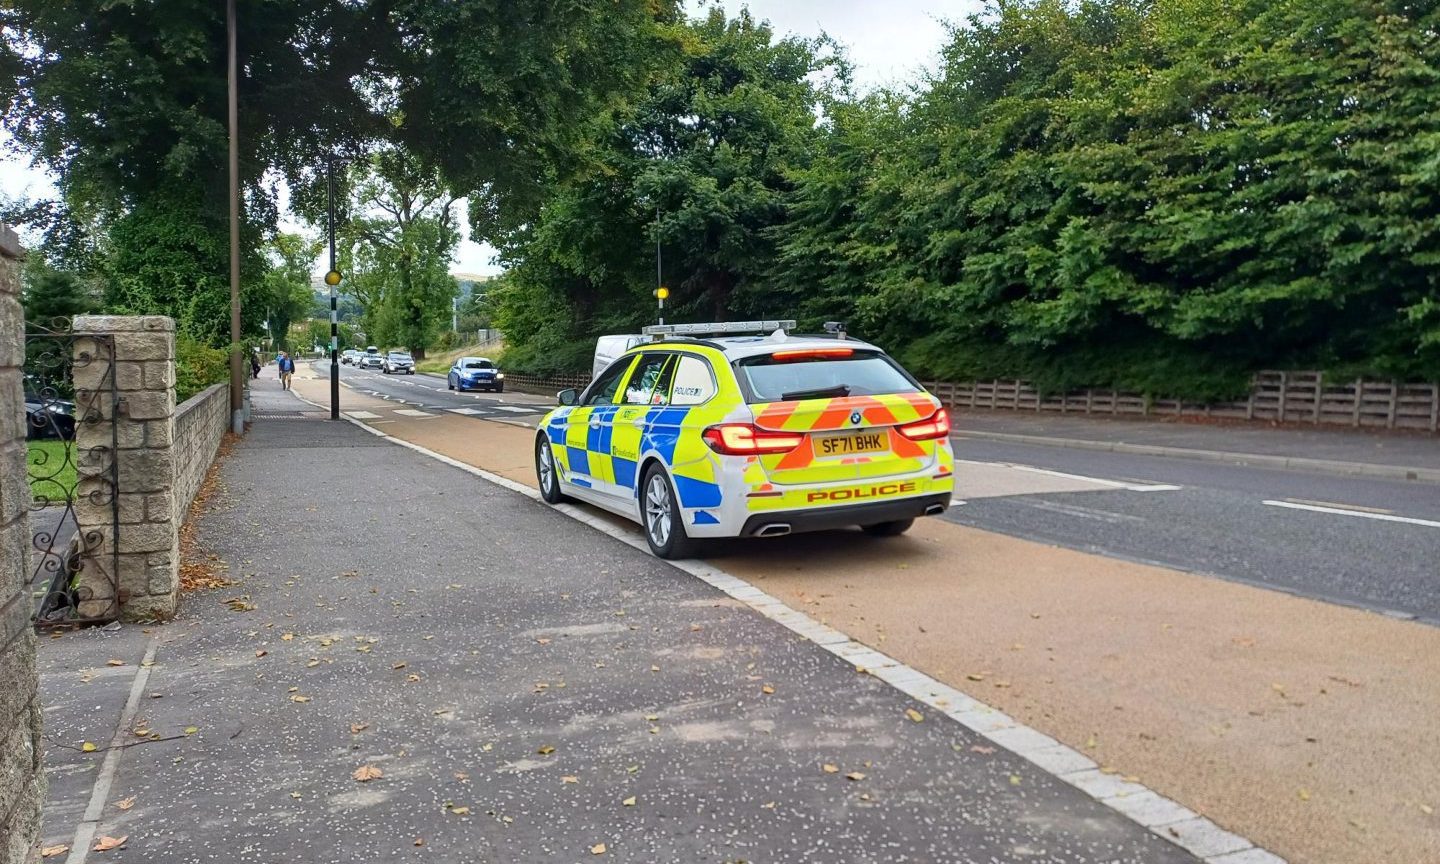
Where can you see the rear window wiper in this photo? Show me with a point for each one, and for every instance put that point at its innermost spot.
(816, 393)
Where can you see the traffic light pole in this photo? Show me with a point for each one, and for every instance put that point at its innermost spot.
(330, 277)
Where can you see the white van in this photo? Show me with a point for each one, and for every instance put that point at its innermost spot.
(607, 348)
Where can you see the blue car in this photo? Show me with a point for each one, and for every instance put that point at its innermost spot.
(475, 373)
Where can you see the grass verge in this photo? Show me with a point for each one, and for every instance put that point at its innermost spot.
(51, 467)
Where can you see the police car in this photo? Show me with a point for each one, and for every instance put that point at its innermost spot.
(699, 434)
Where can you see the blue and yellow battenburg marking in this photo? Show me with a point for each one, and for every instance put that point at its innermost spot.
(605, 444)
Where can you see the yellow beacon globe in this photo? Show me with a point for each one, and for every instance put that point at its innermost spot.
(662, 293)
(332, 277)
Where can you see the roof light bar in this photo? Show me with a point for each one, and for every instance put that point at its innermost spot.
(717, 328)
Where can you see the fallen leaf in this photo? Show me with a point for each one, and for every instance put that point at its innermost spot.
(597, 849)
(654, 668)
(459, 811)
(312, 663)
(87, 747)
(855, 775)
(1427, 809)
(461, 776)
(629, 802)
(981, 748)
(126, 803)
(1304, 794)
(546, 750)
(399, 664)
(298, 698)
(419, 841)
(114, 662)
(412, 677)
(569, 778)
(52, 851)
(652, 717)
(1014, 779)
(543, 641)
(768, 805)
(294, 794)
(829, 769)
(286, 637)
(767, 689)
(914, 715)
(487, 747)
(106, 842)
(357, 728)
(261, 653)
(975, 676)
(191, 730)
(654, 730)
(366, 773)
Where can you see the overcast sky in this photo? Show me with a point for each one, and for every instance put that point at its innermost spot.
(889, 41)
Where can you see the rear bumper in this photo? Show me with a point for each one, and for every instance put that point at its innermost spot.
(827, 518)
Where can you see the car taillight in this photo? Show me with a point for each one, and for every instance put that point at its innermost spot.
(744, 439)
(937, 425)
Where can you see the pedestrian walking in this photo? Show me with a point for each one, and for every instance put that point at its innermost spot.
(254, 364)
(287, 368)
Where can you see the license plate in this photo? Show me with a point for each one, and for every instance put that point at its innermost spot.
(849, 445)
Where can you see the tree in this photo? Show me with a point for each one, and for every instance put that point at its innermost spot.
(487, 92)
(52, 297)
(701, 163)
(401, 239)
(283, 294)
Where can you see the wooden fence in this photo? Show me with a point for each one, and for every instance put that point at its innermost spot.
(546, 386)
(1291, 397)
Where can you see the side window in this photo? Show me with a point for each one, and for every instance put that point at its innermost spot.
(694, 382)
(602, 389)
(646, 380)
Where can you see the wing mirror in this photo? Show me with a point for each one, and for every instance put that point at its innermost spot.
(568, 397)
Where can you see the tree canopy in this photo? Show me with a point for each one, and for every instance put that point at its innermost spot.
(1156, 195)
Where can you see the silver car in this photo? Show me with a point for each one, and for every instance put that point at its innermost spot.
(398, 363)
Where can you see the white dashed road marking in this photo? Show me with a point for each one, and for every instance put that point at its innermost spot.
(1359, 514)
(362, 415)
(515, 408)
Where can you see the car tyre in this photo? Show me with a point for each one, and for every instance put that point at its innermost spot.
(661, 519)
(449, 383)
(888, 529)
(547, 472)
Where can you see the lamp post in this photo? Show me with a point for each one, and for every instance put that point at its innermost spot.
(237, 375)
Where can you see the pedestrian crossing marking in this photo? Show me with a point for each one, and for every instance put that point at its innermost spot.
(362, 415)
(464, 411)
(411, 412)
(515, 408)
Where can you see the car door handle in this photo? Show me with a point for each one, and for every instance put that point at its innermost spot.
(595, 423)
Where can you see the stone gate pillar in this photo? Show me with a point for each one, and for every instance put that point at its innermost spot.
(138, 559)
(22, 784)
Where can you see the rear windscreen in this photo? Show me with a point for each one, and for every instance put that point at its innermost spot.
(864, 373)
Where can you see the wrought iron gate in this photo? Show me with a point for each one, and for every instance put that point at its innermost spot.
(71, 447)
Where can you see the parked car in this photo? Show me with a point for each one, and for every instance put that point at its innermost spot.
(49, 418)
(750, 437)
(398, 363)
(476, 373)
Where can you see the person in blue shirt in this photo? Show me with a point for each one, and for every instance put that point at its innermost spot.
(287, 368)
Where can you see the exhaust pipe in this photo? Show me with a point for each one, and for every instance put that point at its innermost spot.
(934, 509)
(774, 529)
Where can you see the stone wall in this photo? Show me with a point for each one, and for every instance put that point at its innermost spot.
(22, 787)
(200, 423)
(139, 564)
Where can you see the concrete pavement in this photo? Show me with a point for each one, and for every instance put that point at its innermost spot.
(516, 687)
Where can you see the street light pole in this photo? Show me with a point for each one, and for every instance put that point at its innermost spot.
(237, 375)
(332, 278)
